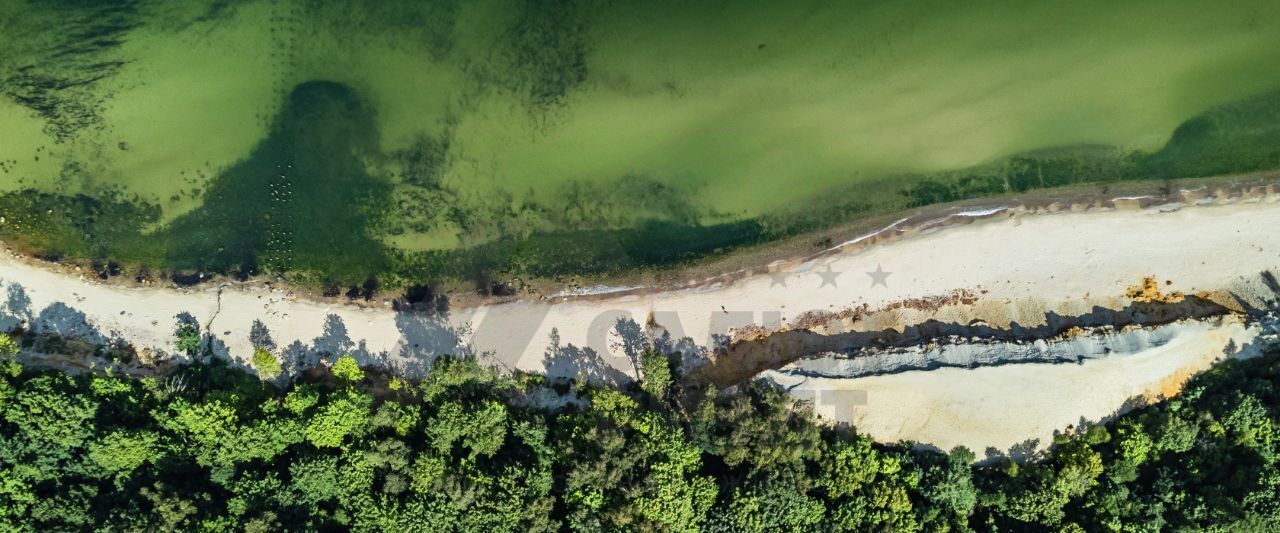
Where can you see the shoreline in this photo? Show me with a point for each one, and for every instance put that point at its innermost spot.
(1011, 269)
(1094, 197)
(766, 257)
(761, 306)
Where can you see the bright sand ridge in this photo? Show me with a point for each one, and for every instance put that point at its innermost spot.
(1063, 261)
(1003, 406)
(1074, 259)
(1070, 261)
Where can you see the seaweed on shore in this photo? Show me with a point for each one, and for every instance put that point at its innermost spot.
(98, 228)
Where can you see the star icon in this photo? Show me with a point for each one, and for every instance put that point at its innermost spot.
(879, 277)
(828, 277)
(778, 278)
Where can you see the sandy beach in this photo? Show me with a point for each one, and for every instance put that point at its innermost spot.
(1000, 268)
(1017, 409)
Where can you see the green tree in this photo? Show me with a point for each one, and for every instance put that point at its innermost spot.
(217, 438)
(768, 505)
(314, 480)
(52, 415)
(120, 452)
(1177, 435)
(301, 399)
(347, 370)
(8, 347)
(759, 427)
(481, 430)
(228, 452)
(947, 485)
(427, 471)
(346, 414)
(655, 374)
(187, 338)
(1133, 442)
(266, 364)
(16, 496)
(848, 466)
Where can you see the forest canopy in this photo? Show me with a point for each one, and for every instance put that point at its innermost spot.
(209, 447)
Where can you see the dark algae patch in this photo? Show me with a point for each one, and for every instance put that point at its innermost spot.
(56, 74)
(546, 52)
(78, 227)
(1230, 138)
(310, 200)
(1235, 138)
(302, 201)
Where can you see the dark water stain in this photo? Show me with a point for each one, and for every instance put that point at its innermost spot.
(55, 72)
(540, 56)
(302, 200)
(1242, 136)
(547, 48)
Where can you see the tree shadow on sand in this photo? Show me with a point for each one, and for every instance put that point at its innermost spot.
(260, 337)
(17, 307)
(566, 362)
(65, 321)
(334, 342)
(422, 338)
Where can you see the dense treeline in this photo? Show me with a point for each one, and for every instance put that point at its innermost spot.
(210, 447)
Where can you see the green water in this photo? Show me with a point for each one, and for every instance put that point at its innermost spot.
(442, 138)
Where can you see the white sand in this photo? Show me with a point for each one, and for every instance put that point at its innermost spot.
(1019, 266)
(1003, 406)
(1062, 262)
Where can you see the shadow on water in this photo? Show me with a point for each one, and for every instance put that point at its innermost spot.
(302, 200)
